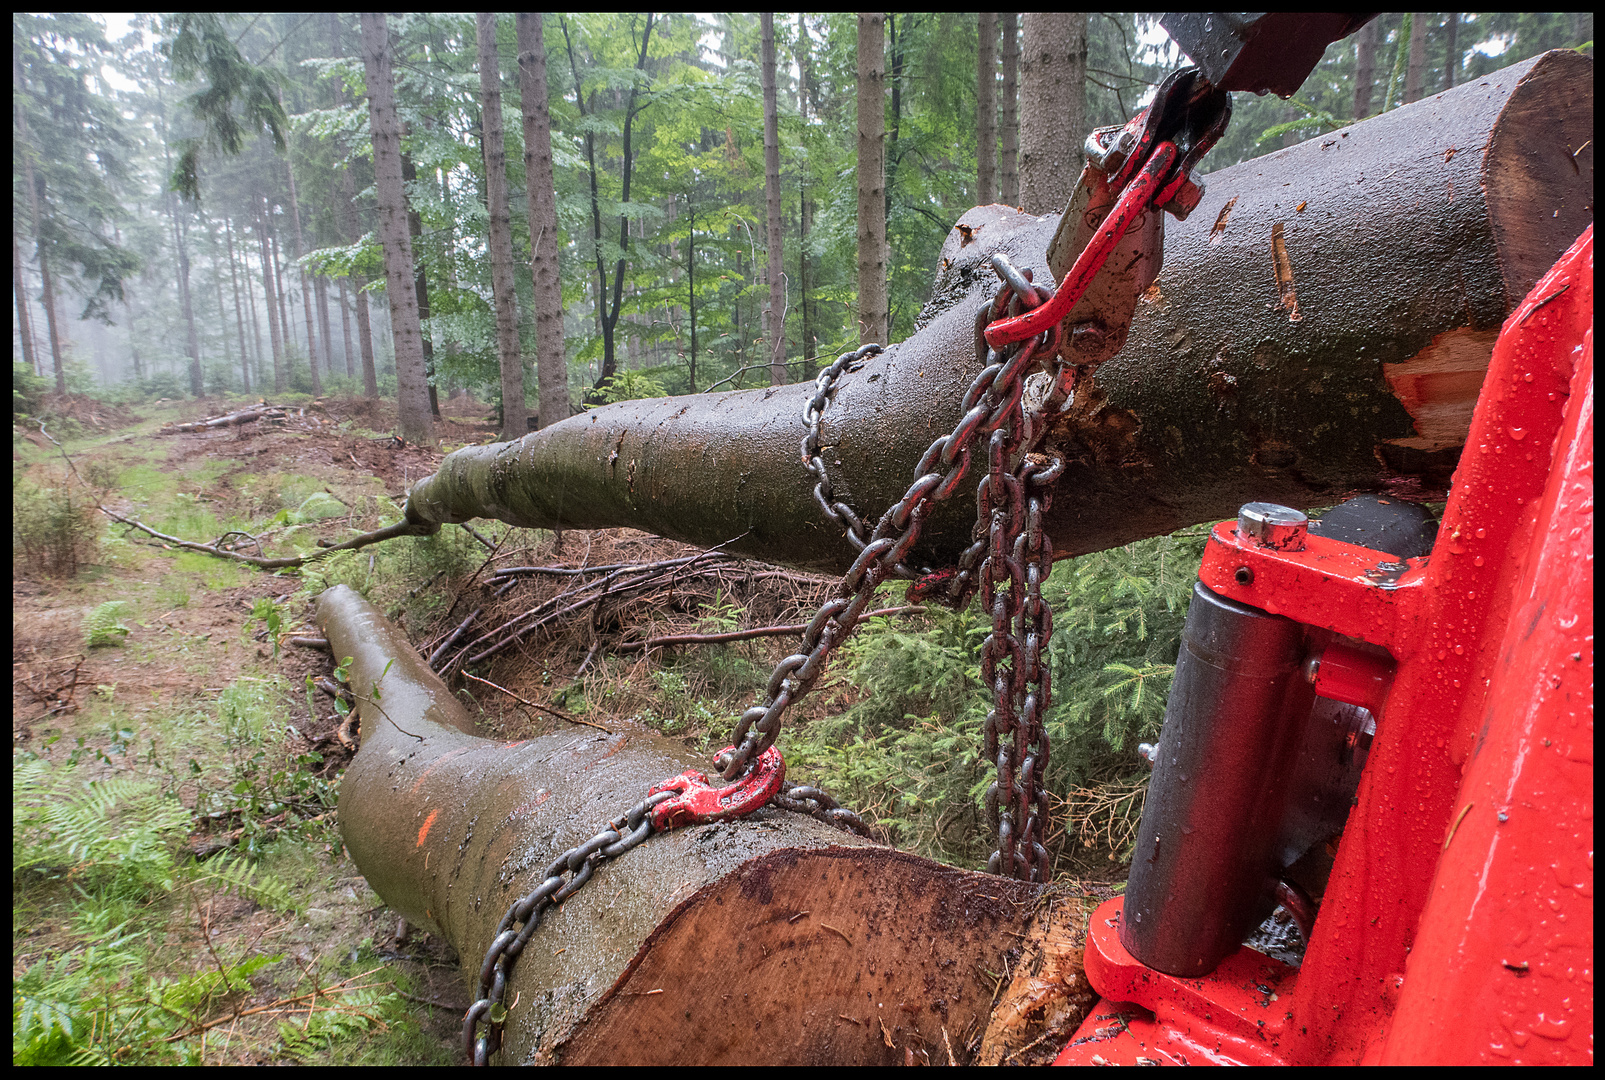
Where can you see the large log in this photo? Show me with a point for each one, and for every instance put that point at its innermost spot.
(771, 940)
(1321, 326)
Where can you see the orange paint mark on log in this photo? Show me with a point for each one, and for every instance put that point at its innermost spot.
(423, 833)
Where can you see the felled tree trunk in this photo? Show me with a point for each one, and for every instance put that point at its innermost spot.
(775, 939)
(1321, 326)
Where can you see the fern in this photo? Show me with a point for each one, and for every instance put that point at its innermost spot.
(233, 874)
(104, 625)
(119, 829)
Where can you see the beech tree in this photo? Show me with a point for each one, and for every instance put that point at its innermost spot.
(500, 232)
(412, 390)
(872, 300)
(551, 364)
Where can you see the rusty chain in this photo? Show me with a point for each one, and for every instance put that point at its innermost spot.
(630, 829)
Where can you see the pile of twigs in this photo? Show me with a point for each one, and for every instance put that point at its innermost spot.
(473, 640)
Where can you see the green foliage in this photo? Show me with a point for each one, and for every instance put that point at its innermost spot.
(630, 385)
(118, 832)
(27, 390)
(55, 529)
(104, 624)
(907, 747)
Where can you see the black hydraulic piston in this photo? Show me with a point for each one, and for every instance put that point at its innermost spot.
(1206, 866)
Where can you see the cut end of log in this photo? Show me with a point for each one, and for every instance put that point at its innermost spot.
(833, 956)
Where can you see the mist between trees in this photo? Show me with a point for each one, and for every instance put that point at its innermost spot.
(279, 202)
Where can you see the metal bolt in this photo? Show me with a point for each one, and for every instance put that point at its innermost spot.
(1186, 199)
(1244, 576)
(1273, 526)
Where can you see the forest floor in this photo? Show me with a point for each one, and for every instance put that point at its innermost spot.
(159, 712)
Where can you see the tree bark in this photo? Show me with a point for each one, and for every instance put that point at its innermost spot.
(306, 292)
(1404, 269)
(268, 298)
(420, 287)
(19, 288)
(508, 352)
(412, 390)
(986, 109)
(1053, 103)
(872, 254)
(1009, 138)
(774, 316)
(1365, 55)
(551, 360)
(191, 339)
(889, 955)
(239, 311)
(1416, 69)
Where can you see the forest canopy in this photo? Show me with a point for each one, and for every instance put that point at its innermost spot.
(196, 208)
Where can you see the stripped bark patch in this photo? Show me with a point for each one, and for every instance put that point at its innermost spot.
(1283, 266)
(1219, 227)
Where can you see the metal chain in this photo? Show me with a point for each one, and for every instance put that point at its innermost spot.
(630, 829)
(813, 458)
(988, 404)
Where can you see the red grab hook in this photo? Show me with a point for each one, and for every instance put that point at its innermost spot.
(697, 802)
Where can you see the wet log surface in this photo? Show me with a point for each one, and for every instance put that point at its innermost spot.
(1321, 326)
(776, 939)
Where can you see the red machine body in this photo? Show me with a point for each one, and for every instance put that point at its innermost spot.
(1457, 921)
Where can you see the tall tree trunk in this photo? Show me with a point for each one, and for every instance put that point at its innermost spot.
(239, 311)
(286, 324)
(691, 291)
(1365, 56)
(1009, 138)
(345, 331)
(306, 293)
(47, 296)
(370, 375)
(775, 314)
(256, 325)
(192, 340)
(1402, 49)
(1416, 69)
(348, 217)
(412, 388)
(551, 359)
(799, 53)
(986, 109)
(872, 308)
(1053, 105)
(608, 317)
(320, 291)
(808, 346)
(1451, 49)
(514, 425)
(19, 288)
(270, 299)
(420, 285)
(222, 314)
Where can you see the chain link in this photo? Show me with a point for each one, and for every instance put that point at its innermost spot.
(629, 830)
(989, 403)
(812, 453)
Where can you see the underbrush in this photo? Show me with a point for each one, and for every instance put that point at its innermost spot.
(128, 948)
(907, 745)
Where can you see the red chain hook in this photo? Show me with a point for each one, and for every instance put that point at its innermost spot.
(1143, 189)
(699, 802)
